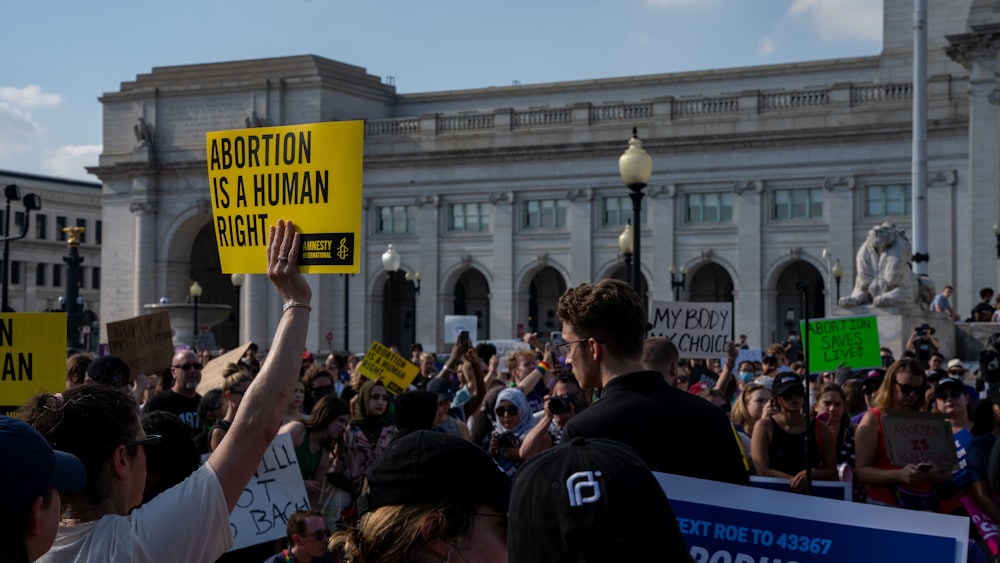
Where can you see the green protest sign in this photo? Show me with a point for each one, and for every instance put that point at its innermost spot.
(852, 341)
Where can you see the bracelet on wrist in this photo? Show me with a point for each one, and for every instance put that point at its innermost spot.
(543, 367)
(292, 304)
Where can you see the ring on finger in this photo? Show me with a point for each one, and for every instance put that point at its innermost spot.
(282, 258)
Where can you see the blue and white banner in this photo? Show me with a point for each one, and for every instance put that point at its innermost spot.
(724, 523)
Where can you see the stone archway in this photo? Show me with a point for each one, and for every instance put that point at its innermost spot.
(472, 297)
(710, 283)
(544, 291)
(790, 307)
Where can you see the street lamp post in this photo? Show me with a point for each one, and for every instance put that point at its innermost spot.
(31, 203)
(237, 280)
(413, 281)
(625, 246)
(635, 167)
(195, 292)
(677, 282)
(838, 272)
(390, 261)
(73, 301)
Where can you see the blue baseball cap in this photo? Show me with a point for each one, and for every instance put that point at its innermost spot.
(31, 467)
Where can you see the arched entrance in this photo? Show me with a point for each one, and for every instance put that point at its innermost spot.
(206, 269)
(547, 286)
(710, 283)
(472, 297)
(791, 304)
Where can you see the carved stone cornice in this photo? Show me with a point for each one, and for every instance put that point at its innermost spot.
(845, 182)
(756, 185)
(980, 43)
(584, 194)
(428, 200)
(947, 177)
(501, 197)
(143, 208)
(670, 190)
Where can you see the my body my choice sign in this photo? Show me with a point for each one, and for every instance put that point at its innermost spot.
(852, 341)
(310, 174)
(699, 330)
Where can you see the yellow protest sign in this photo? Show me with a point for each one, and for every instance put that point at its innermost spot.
(310, 174)
(32, 356)
(395, 371)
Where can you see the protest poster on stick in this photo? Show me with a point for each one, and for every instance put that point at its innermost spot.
(699, 330)
(310, 174)
(32, 356)
(395, 371)
(144, 343)
(722, 522)
(274, 493)
(852, 341)
(916, 438)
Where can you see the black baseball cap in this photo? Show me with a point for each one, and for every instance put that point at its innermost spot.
(445, 391)
(591, 499)
(785, 383)
(427, 467)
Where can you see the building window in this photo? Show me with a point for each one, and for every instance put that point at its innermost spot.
(97, 232)
(83, 235)
(15, 272)
(714, 207)
(95, 278)
(616, 211)
(396, 219)
(60, 225)
(18, 222)
(545, 214)
(469, 217)
(57, 275)
(41, 226)
(40, 275)
(887, 200)
(804, 203)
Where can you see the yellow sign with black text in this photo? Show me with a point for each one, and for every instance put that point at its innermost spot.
(395, 371)
(310, 174)
(32, 356)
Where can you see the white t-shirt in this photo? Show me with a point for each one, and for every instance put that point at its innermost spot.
(189, 522)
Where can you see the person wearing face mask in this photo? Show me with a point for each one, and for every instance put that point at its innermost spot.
(745, 375)
(793, 347)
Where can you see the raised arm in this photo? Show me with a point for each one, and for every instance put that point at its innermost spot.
(260, 414)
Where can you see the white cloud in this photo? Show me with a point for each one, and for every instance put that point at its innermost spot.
(840, 19)
(28, 97)
(20, 131)
(766, 46)
(69, 161)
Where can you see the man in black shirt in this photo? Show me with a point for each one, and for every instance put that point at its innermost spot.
(182, 399)
(603, 329)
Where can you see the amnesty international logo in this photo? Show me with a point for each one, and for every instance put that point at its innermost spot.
(327, 249)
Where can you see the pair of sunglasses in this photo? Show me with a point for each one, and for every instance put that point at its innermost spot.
(504, 411)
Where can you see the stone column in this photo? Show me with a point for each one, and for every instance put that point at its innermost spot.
(144, 256)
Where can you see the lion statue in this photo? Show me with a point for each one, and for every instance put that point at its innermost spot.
(884, 274)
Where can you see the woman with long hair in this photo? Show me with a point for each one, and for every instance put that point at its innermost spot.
(778, 442)
(314, 440)
(233, 388)
(831, 408)
(909, 486)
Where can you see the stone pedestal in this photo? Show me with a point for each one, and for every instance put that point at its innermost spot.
(895, 324)
(971, 338)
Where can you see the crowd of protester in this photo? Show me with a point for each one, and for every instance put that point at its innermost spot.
(470, 461)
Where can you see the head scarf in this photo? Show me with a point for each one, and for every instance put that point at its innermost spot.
(362, 416)
(516, 398)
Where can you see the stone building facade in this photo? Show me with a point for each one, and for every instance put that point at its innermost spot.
(502, 197)
(38, 275)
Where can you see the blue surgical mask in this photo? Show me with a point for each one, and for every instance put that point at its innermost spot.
(746, 376)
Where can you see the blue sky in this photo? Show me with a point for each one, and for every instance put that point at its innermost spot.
(59, 56)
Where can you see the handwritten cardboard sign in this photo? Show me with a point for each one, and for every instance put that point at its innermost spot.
(852, 341)
(912, 437)
(395, 371)
(274, 493)
(504, 349)
(308, 173)
(32, 356)
(699, 330)
(145, 342)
